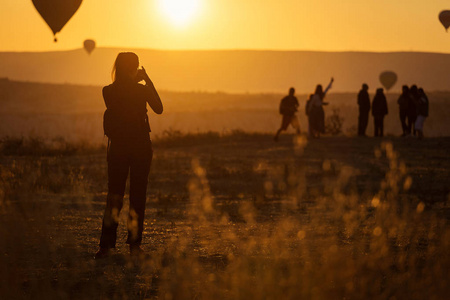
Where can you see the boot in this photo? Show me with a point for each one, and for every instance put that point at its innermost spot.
(136, 251)
(102, 253)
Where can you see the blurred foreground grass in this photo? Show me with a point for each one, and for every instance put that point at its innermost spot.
(233, 216)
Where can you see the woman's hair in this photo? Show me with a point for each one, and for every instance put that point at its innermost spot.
(126, 63)
(319, 91)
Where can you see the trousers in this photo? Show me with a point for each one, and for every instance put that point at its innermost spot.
(405, 127)
(133, 158)
(363, 120)
(378, 125)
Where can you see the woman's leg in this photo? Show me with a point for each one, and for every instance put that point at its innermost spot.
(118, 167)
(381, 124)
(403, 121)
(114, 204)
(375, 126)
(139, 170)
(295, 124)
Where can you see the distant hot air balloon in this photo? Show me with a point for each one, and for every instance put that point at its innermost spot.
(444, 17)
(388, 79)
(89, 46)
(56, 13)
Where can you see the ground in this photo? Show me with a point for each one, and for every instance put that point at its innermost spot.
(235, 216)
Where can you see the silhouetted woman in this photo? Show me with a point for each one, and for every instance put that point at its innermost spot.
(379, 111)
(403, 104)
(129, 148)
(316, 113)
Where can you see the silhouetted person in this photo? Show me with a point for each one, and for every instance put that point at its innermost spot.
(379, 110)
(364, 109)
(412, 110)
(288, 108)
(129, 148)
(403, 103)
(422, 107)
(316, 112)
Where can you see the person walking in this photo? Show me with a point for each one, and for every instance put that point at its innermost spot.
(379, 111)
(422, 112)
(129, 149)
(288, 108)
(364, 109)
(316, 112)
(403, 103)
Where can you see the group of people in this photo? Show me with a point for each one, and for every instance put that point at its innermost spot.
(379, 110)
(413, 107)
(314, 111)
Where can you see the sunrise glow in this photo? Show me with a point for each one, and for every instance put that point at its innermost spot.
(179, 12)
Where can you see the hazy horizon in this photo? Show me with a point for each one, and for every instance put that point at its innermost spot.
(234, 71)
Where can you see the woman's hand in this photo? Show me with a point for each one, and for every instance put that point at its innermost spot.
(142, 75)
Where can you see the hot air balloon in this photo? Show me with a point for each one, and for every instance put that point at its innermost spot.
(444, 17)
(388, 79)
(89, 46)
(56, 13)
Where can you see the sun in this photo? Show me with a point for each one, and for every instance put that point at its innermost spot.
(180, 12)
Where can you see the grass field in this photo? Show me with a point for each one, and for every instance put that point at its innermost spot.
(233, 216)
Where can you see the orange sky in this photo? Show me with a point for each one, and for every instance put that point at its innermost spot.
(327, 25)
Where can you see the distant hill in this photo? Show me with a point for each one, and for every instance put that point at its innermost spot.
(234, 71)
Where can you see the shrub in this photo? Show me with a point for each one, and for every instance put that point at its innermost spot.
(334, 123)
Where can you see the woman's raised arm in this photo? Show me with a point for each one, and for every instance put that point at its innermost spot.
(329, 86)
(152, 98)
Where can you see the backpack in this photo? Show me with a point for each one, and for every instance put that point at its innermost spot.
(114, 126)
(110, 124)
(307, 107)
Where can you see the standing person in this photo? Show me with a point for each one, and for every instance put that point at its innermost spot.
(379, 110)
(412, 109)
(422, 111)
(403, 102)
(364, 109)
(129, 148)
(316, 112)
(288, 108)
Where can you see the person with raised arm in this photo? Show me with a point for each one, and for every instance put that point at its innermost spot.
(316, 112)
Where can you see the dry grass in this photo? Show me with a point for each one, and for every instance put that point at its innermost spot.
(235, 216)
